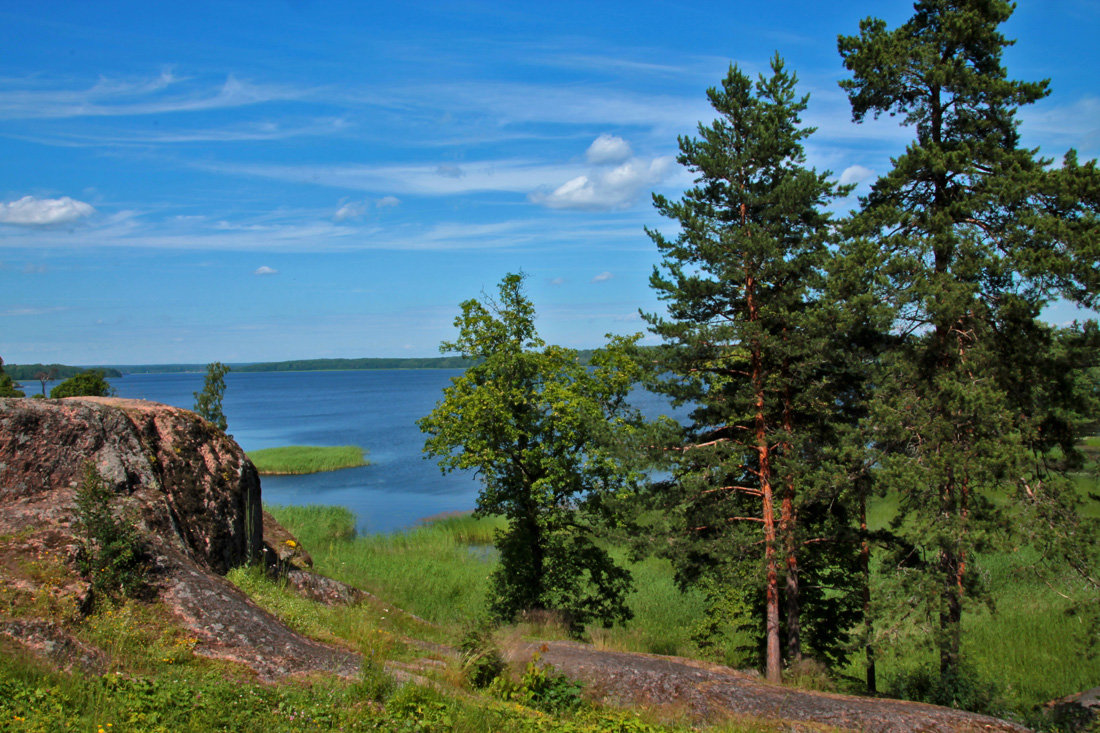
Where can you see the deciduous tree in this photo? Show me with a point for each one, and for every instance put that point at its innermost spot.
(537, 427)
(208, 402)
(91, 383)
(7, 386)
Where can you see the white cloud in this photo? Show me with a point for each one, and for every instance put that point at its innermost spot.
(387, 201)
(265, 270)
(602, 277)
(558, 281)
(614, 188)
(855, 174)
(35, 212)
(111, 98)
(350, 210)
(608, 149)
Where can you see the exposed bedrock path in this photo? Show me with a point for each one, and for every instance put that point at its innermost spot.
(709, 693)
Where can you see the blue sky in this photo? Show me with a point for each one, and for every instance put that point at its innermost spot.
(189, 182)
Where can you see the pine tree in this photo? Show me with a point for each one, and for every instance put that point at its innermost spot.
(975, 235)
(743, 344)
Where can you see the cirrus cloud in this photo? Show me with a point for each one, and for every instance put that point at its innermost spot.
(35, 212)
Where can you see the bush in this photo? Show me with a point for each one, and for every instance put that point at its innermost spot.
(964, 690)
(481, 660)
(111, 553)
(543, 688)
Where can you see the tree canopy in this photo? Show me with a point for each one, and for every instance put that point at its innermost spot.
(208, 402)
(538, 428)
(91, 383)
(971, 236)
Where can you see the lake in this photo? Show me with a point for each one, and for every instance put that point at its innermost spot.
(375, 409)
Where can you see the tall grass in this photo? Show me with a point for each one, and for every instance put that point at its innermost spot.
(439, 571)
(299, 459)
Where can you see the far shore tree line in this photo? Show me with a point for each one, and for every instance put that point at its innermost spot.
(895, 356)
(93, 383)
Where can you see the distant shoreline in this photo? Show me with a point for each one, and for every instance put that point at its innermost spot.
(25, 372)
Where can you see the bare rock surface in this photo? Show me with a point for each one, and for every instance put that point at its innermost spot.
(710, 693)
(281, 548)
(193, 487)
(195, 495)
(54, 645)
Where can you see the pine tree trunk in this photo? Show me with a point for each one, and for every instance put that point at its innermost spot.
(794, 625)
(773, 665)
(787, 525)
(865, 569)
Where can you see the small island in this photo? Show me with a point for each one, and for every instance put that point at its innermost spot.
(293, 460)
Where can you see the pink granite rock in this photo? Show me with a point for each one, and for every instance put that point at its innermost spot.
(192, 485)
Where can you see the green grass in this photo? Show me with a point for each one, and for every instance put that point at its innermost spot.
(299, 459)
(156, 683)
(440, 569)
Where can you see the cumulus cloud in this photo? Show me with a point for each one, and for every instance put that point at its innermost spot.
(607, 188)
(350, 210)
(608, 149)
(855, 174)
(265, 270)
(602, 277)
(35, 212)
(387, 201)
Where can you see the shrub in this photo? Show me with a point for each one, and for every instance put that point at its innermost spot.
(963, 690)
(543, 688)
(481, 660)
(111, 553)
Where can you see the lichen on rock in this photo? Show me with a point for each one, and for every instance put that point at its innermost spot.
(195, 496)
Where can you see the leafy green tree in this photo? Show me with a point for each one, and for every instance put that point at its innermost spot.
(208, 403)
(7, 386)
(974, 234)
(91, 383)
(744, 343)
(540, 430)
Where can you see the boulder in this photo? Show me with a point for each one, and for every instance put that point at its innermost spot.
(282, 549)
(195, 497)
(192, 486)
(1076, 712)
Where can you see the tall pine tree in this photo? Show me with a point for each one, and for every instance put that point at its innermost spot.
(976, 234)
(743, 345)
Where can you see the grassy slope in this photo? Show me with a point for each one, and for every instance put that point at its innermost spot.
(299, 459)
(154, 681)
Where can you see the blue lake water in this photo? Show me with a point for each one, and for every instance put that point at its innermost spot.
(375, 409)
